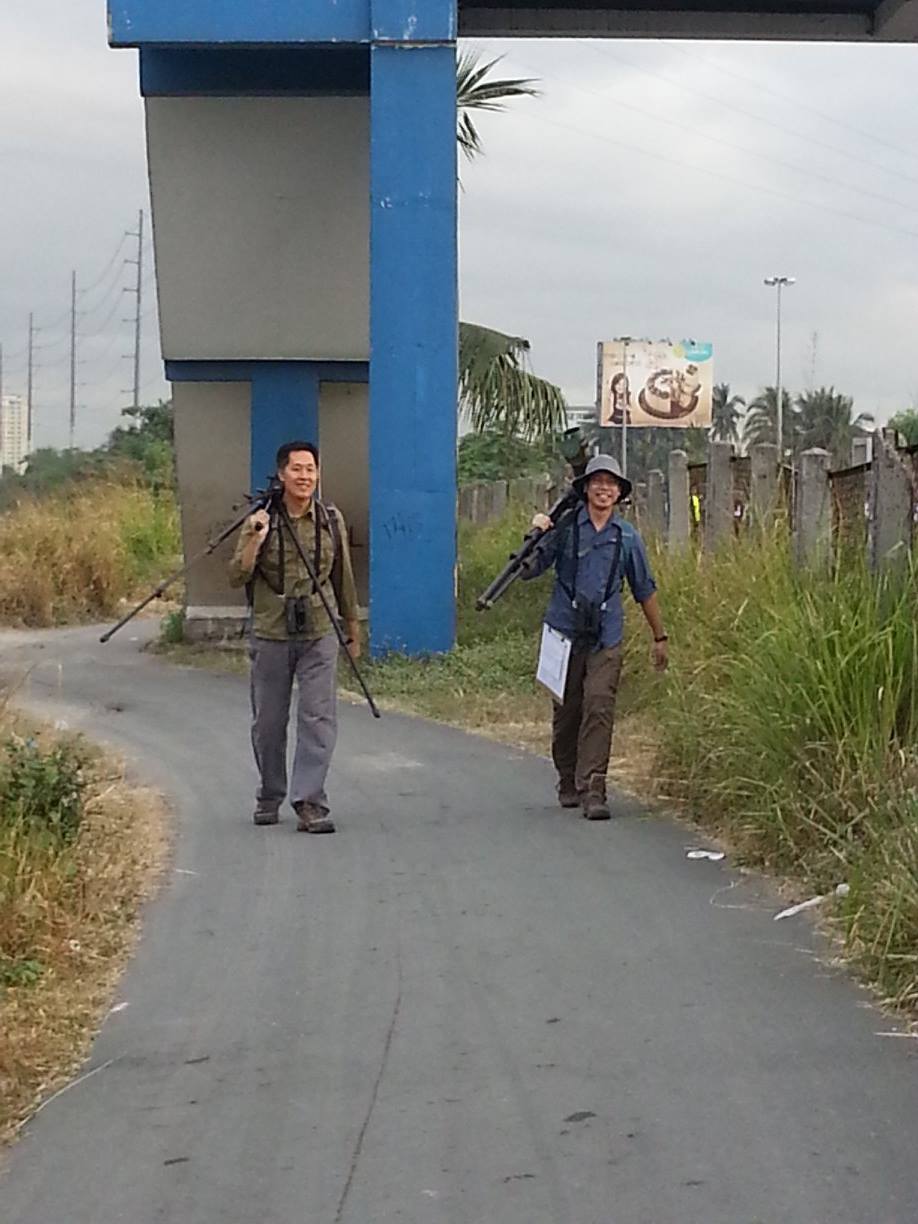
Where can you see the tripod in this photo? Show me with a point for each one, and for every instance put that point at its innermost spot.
(265, 499)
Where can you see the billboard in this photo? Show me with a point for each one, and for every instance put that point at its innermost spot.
(655, 382)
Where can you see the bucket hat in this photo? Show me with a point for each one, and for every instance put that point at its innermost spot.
(604, 463)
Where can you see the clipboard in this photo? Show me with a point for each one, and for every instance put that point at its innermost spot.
(554, 659)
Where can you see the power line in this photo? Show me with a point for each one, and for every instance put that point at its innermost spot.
(745, 185)
(103, 296)
(796, 102)
(730, 144)
(813, 140)
(108, 267)
(114, 309)
(115, 287)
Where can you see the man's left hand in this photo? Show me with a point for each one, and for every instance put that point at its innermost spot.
(661, 656)
(354, 645)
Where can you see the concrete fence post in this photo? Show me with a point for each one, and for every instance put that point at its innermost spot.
(655, 514)
(813, 525)
(892, 501)
(678, 527)
(763, 458)
(718, 498)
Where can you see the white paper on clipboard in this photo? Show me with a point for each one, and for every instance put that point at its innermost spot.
(554, 657)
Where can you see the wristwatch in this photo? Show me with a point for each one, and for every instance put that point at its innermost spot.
(663, 638)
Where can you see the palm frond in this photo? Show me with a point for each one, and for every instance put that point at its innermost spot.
(498, 390)
(475, 93)
(726, 411)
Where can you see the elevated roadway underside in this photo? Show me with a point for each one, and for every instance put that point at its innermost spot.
(840, 20)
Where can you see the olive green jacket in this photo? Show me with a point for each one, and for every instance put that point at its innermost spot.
(268, 612)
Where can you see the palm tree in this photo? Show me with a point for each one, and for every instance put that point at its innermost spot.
(827, 419)
(474, 92)
(496, 387)
(727, 411)
(907, 425)
(761, 424)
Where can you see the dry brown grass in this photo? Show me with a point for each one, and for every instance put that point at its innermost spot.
(76, 917)
(76, 555)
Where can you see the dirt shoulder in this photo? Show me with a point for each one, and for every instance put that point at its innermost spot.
(68, 924)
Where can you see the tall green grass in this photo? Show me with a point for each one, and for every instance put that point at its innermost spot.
(496, 651)
(788, 721)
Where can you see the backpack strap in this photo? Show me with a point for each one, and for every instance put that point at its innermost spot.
(333, 518)
(331, 515)
(273, 526)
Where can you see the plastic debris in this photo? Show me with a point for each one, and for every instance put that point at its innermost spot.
(713, 856)
(841, 890)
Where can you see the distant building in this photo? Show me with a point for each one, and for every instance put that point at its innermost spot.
(14, 428)
(580, 416)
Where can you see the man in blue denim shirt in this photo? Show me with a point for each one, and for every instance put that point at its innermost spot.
(593, 557)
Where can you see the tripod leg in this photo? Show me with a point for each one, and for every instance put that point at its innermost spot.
(332, 612)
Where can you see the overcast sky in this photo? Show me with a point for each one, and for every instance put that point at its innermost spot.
(647, 192)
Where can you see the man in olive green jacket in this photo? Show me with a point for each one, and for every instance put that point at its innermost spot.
(293, 638)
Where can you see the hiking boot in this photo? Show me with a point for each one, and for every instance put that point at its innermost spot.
(568, 795)
(265, 815)
(312, 819)
(595, 806)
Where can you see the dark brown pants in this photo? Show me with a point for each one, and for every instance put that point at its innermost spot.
(581, 734)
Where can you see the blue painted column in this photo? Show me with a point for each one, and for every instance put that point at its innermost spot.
(285, 407)
(413, 326)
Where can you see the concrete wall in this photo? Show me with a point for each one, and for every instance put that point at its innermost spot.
(261, 225)
(344, 445)
(212, 448)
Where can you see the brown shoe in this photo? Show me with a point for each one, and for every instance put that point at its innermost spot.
(595, 806)
(265, 816)
(312, 819)
(568, 795)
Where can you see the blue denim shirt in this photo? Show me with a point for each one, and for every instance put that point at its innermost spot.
(596, 553)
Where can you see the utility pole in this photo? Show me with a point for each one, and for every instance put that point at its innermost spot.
(779, 283)
(30, 384)
(138, 317)
(73, 358)
(626, 340)
(1, 408)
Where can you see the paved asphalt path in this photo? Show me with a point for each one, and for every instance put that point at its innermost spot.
(466, 1008)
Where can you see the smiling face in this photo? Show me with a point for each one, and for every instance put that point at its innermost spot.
(300, 475)
(603, 492)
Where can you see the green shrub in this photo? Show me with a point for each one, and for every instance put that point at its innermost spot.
(25, 972)
(150, 536)
(172, 628)
(42, 790)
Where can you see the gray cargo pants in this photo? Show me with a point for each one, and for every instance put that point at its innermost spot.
(274, 666)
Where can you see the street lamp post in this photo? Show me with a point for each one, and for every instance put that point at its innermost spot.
(779, 282)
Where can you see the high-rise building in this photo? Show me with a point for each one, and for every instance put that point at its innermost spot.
(14, 440)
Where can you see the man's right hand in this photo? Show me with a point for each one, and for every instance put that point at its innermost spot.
(542, 522)
(256, 526)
